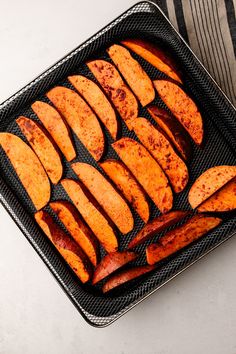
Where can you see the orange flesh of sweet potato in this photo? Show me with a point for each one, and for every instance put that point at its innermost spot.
(43, 147)
(209, 182)
(97, 100)
(157, 225)
(56, 127)
(111, 262)
(92, 216)
(28, 168)
(80, 118)
(132, 71)
(173, 129)
(105, 194)
(80, 232)
(162, 151)
(222, 200)
(155, 56)
(126, 276)
(116, 89)
(183, 108)
(180, 237)
(147, 171)
(67, 247)
(127, 184)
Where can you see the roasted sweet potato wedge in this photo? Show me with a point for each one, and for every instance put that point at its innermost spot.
(155, 56)
(43, 147)
(126, 276)
(129, 187)
(28, 168)
(180, 237)
(56, 127)
(105, 194)
(162, 151)
(111, 262)
(183, 108)
(132, 71)
(147, 171)
(80, 232)
(98, 101)
(173, 129)
(67, 247)
(223, 200)
(97, 222)
(80, 118)
(157, 225)
(116, 89)
(210, 182)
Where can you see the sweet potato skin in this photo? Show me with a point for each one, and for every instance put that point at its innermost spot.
(209, 182)
(147, 171)
(97, 100)
(173, 129)
(162, 151)
(125, 276)
(128, 186)
(56, 127)
(116, 89)
(80, 232)
(80, 118)
(180, 237)
(67, 247)
(97, 222)
(221, 201)
(157, 225)
(111, 262)
(183, 108)
(132, 71)
(154, 55)
(43, 147)
(28, 168)
(105, 194)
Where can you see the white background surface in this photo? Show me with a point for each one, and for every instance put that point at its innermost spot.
(195, 313)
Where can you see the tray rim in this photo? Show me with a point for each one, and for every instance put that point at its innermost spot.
(17, 221)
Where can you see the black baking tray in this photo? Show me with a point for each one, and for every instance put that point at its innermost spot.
(143, 20)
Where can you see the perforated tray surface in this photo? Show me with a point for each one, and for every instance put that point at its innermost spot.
(144, 20)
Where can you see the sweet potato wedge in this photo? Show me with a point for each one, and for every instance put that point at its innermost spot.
(183, 108)
(67, 247)
(210, 182)
(157, 225)
(56, 127)
(111, 262)
(105, 194)
(28, 168)
(173, 129)
(223, 200)
(80, 118)
(180, 237)
(97, 222)
(155, 56)
(43, 147)
(125, 276)
(147, 171)
(97, 100)
(132, 71)
(116, 89)
(129, 187)
(80, 232)
(162, 151)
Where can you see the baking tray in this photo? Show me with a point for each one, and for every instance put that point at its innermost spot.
(143, 20)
